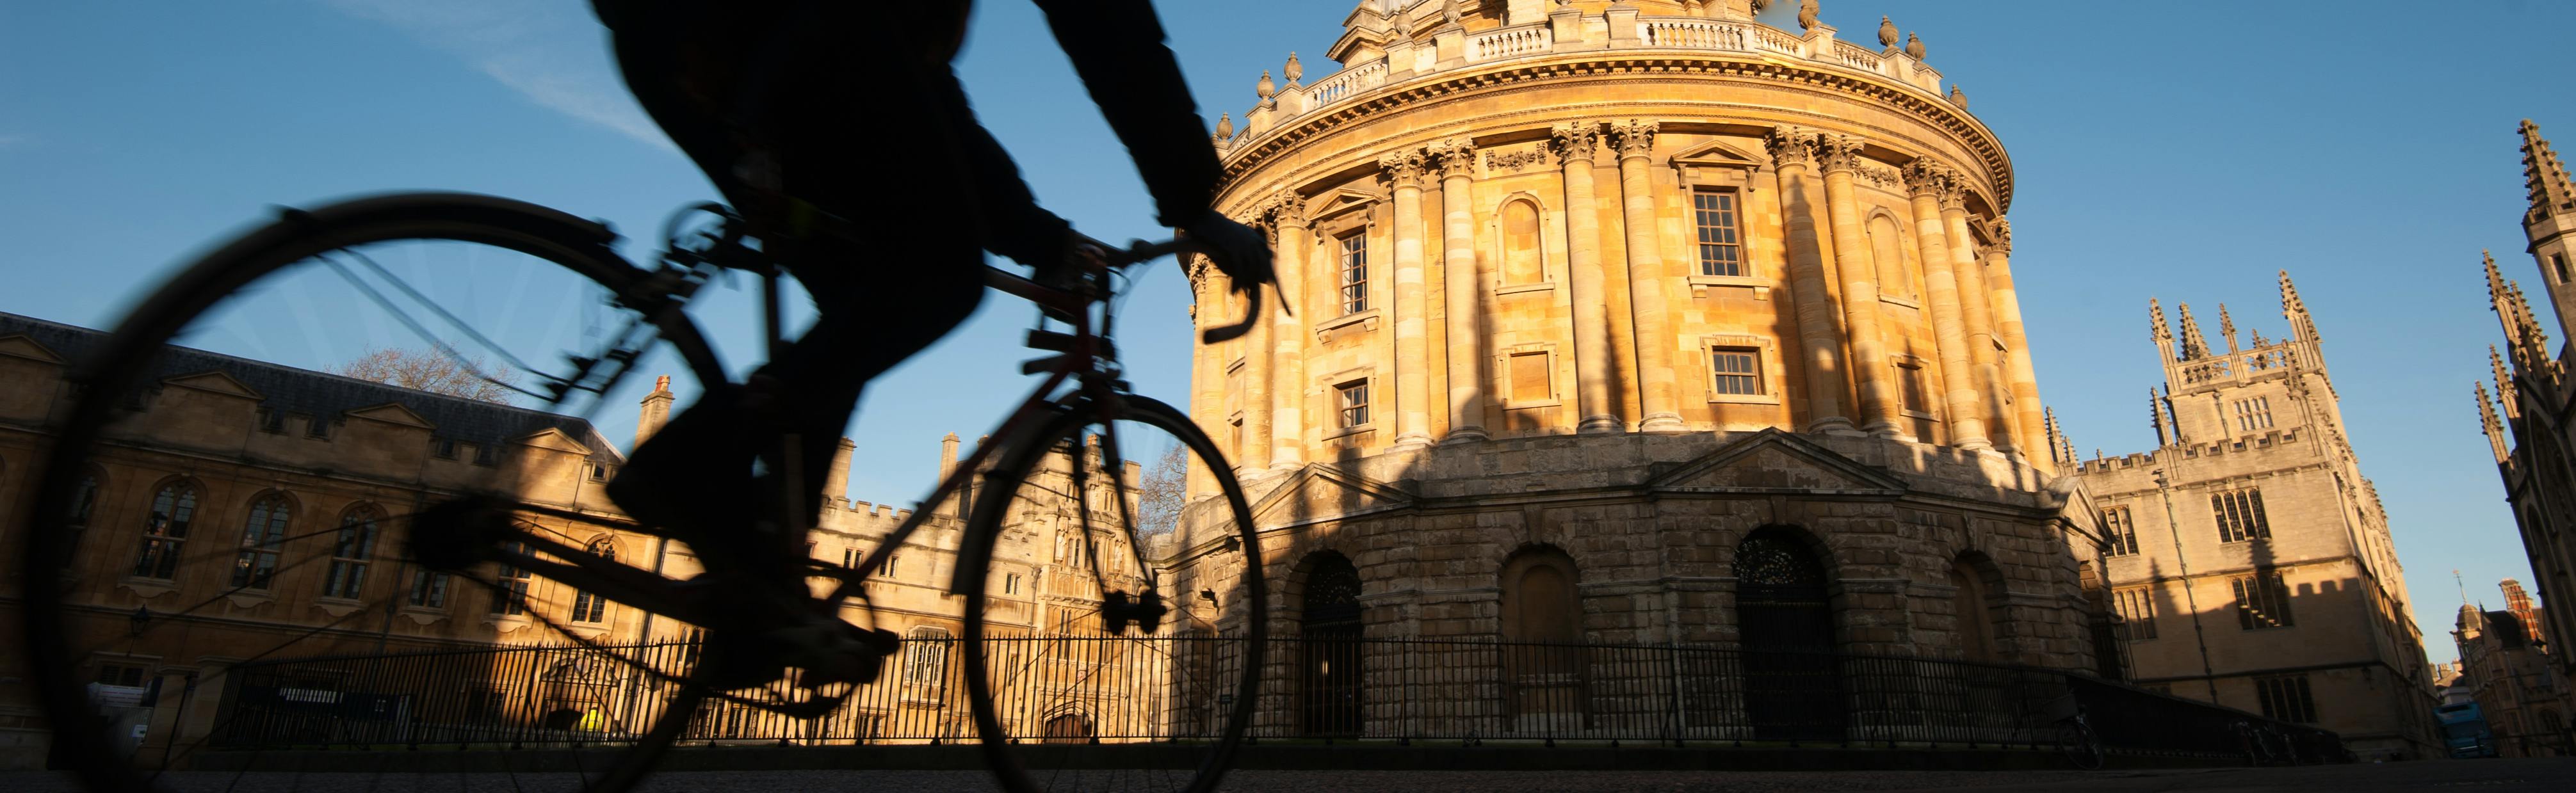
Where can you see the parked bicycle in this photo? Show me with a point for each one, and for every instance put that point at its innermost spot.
(542, 304)
(2076, 740)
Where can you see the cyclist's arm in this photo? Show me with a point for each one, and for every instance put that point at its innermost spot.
(1117, 48)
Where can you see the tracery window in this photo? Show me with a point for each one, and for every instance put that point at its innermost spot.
(2119, 531)
(2240, 515)
(2137, 608)
(2286, 698)
(2262, 601)
(165, 531)
(351, 552)
(925, 658)
(2254, 414)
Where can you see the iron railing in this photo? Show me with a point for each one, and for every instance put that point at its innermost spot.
(1169, 688)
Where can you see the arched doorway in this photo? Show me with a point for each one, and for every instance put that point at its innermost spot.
(1329, 662)
(1542, 653)
(1792, 673)
(1066, 728)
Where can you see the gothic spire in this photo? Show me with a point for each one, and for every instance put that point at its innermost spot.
(2505, 392)
(2544, 176)
(2494, 429)
(2302, 327)
(2194, 345)
(2156, 415)
(2156, 312)
(2059, 448)
(2227, 327)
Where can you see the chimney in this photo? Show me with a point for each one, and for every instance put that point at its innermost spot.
(836, 480)
(657, 410)
(948, 465)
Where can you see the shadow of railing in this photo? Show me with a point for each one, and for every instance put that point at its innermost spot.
(1098, 689)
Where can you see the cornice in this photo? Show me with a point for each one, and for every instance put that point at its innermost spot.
(1981, 141)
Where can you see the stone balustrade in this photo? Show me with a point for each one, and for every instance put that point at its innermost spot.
(1455, 51)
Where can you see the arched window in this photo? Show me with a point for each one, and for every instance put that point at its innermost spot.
(84, 500)
(1969, 598)
(351, 551)
(1887, 249)
(925, 656)
(588, 606)
(1329, 669)
(263, 535)
(1522, 261)
(1792, 676)
(165, 531)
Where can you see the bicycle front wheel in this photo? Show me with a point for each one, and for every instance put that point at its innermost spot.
(1082, 513)
(220, 570)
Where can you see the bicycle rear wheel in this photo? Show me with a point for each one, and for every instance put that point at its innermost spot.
(217, 516)
(1085, 505)
(2079, 745)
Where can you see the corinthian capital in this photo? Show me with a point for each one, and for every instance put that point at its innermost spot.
(1954, 191)
(1454, 157)
(1402, 169)
(2003, 237)
(1290, 208)
(1791, 146)
(1838, 152)
(1575, 140)
(1923, 177)
(1633, 138)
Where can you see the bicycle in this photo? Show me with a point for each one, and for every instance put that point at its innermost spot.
(2075, 739)
(1074, 431)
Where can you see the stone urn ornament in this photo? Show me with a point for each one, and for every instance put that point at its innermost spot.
(1886, 32)
(1806, 14)
(1294, 70)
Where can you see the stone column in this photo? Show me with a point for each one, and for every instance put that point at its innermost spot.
(1596, 400)
(1288, 387)
(1207, 394)
(1878, 405)
(1658, 395)
(2018, 372)
(1403, 171)
(1960, 410)
(1820, 338)
(1976, 308)
(1254, 457)
(1456, 160)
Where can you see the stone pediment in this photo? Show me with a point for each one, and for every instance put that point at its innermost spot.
(215, 382)
(1776, 461)
(391, 413)
(1340, 201)
(24, 346)
(554, 440)
(1716, 154)
(1323, 492)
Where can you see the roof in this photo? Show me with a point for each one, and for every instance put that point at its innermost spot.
(290, 389)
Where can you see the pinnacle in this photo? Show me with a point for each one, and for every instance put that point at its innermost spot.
(2156, 312)
(2544, 175)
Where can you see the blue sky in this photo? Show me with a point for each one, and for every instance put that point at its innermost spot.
(2182, 151)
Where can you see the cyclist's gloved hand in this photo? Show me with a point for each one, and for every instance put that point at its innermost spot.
(1239, 250)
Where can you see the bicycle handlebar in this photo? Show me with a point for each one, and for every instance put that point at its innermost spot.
(1140, 251)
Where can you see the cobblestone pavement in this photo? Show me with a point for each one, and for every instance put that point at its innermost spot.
(2556, 775)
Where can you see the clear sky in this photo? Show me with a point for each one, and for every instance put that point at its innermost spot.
(2179, 150)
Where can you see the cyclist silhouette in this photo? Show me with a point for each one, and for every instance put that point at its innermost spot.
(841, 133)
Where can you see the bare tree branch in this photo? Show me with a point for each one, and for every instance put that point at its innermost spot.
(427, 370)
(1162, 491)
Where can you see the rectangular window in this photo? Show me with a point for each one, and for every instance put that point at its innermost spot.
(598, 472)
(1721, 242)
(317, 427)
(1354, 401)
(2137, 608)
(2262, 601)
(850, 558)
(1531, 380)
(2286, 698)
(2119, 532)
(443, 448)
(893, 565)
(1010, 583)
(2254, 414)
(127, 675)
(2558, 262)
(2240, 515)
(272, 421)
(1354, 273)
(925, 660)
(1736, 370)
(429, 589)
(511, 594)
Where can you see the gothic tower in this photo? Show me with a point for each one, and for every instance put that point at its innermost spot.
(2250, 560)
(2551, 222)
(2526, 421)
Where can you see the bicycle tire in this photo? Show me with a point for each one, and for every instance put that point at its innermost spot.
(120, 363)
(2079, 745)
(983, 531)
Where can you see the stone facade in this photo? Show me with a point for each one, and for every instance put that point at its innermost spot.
(2504, 669)
(2530, 421)
(1595, 299)
(248, 439)
(2250, 559)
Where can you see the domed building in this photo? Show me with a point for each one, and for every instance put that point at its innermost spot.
(1636, 323)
